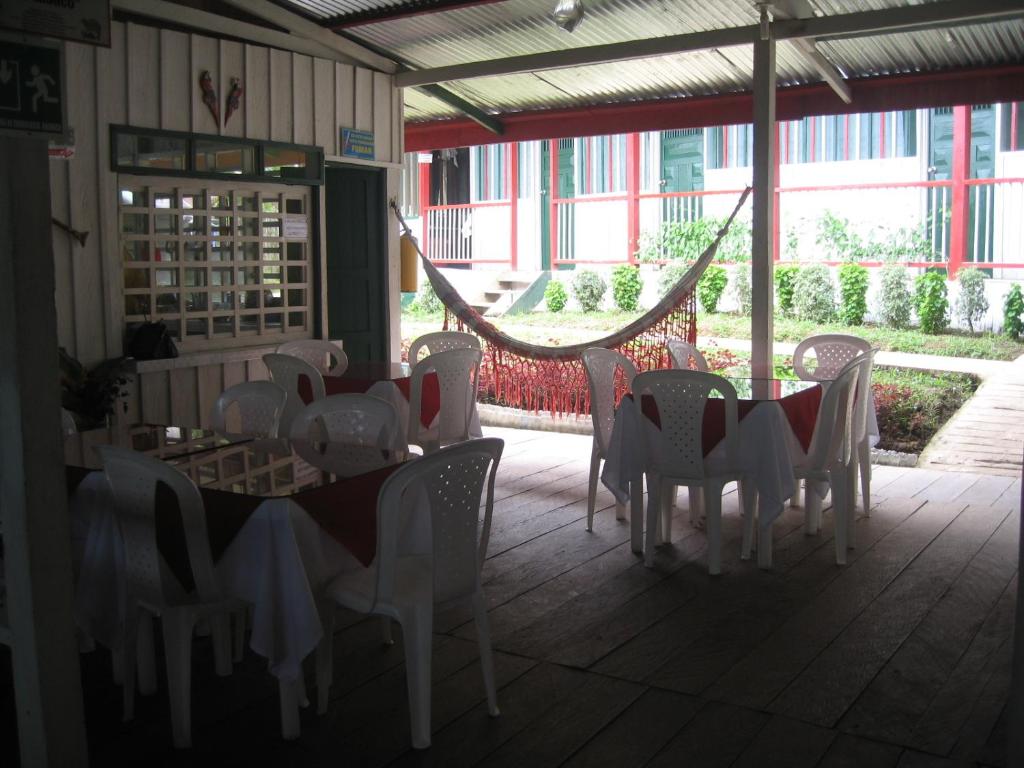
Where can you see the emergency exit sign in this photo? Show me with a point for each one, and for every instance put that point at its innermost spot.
(32, 88)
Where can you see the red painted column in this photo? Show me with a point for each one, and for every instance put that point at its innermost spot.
(513, 194)
(552, 196)
(633, 195)
(424, 202)
(778, 197)
(959, 221)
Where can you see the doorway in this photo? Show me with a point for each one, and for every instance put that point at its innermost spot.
(355, 208)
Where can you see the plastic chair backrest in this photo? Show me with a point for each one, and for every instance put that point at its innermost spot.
(257, 407)
(441, 341)
(681, 396)
(326, 356)
(456, 371)
(133, 479)
(453, 479)
(285, 371)
(832, 351)
(354, 430)
(864, 398)
(681, 352)
(832, 435)
(601, 366)
(67, 423)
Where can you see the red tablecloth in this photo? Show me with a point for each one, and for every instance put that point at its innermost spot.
(338, 385)
(801, 411)
(346, 510)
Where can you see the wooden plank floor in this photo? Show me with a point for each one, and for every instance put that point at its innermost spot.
(901, 658)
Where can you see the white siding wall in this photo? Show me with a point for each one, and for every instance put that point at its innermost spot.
(149, 78)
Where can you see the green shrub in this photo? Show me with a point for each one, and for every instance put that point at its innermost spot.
(426, 301)
(837, 241)
(814, 295)
(853, 291)
(626, 287)
(588, 288)
(741, 288)
(687, 240)
(971, 304)
(671, 274)
(894, 298)
(555, 296)
(931, 303)
(785, 275)
(711, 286)
(1013, 308)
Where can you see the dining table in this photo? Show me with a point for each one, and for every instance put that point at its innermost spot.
(776, 425)
(279, 528)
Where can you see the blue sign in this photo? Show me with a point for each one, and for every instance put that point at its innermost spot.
(357, 143)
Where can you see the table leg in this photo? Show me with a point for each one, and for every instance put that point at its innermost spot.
(636, 514)
(292, 694)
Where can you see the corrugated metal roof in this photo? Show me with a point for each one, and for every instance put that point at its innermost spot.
(496, 30)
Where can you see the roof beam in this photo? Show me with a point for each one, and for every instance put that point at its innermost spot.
(203, 21)
(794, 9)
(471, 111)
(390, 13)
(909, 18)
(303, 27)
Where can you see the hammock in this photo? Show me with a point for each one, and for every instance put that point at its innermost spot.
(533, 377)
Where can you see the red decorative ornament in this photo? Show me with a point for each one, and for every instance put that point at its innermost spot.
(209, 95)
(234, 99)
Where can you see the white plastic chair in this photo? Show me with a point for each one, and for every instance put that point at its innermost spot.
(347, 434)
(411, 574)
(863, 401)
(285, 371)
(681, 396)
(681, 353)
(326, 356)
(441, 341)
(151, 590)
(601, 366)
(456, 371)
(830, 458)
(68, 426)
(832, 352)
(254, 407)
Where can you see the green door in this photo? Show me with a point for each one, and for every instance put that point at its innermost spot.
(682, 170)
(566, 189)
(355, 205)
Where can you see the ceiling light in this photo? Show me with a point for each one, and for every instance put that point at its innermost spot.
(568, 14)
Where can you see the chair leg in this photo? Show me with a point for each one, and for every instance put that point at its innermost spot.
(812, 510)
(864, 458)
(483, 634)
(241, 624)
(220, 631)
(325, 656)
(851, 503)
(126, 658)
(713, 509)
(636, 515)
(417, 629)
(620, 510)
(654, 495)
(177, 629)
(385, 631)
(146, 662)
(696, 494)
(747, 498)
(595, 463)
(794, 500)
(667, 499)
(288, 695)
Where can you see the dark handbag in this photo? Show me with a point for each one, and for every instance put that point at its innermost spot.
(149, 341)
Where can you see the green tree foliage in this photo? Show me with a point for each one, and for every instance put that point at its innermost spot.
(894, 298)
(687, 240)
(671, 274)
(555, 296)
(711, 286)
(853, 291)
(626, 287)
(785, 276)
(1013, 308)
(426, 301)
(931, 303)
(814, 295)
(589, 289)
(971, 304)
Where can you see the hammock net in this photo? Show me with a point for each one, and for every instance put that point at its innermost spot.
(533, 377)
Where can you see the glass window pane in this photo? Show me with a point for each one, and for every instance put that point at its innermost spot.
(196, 302)
(220, 201)
(271, 274)
(296, 319)
(297, 297)
(136, 304)
(222, 300)
(248, 299)
(288, 163)
(249, 251)
(135, 250)
(221, 277)
(167, 302)
(248, 323)
(134, 198)
(195, 277)
(165, 250)
(193, 225)
(221, 225)
(271, 228)
(220, 250)
(192, 201)
(246, 201)
(134, 223)
(213, 156)
(164, 200)
(273, 298)
(248, 227)
(165, 224)
(274, 321)
(224, 324)
(155, 152)
(248, 276)
(136, 278)
(272, 251)
(173, 327)
(196, 326)
(195, 250)
(166, 277)
(296, 251)
(296, 274)
(271, 204)
(294, 205)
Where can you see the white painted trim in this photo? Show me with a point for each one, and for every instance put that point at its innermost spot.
(332, 159)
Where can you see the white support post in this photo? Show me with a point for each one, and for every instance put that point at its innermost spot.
(36, 529)
(762, 291)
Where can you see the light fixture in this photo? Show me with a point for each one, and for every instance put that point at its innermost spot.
(568, 14)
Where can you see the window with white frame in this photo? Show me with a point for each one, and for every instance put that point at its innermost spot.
(220, 264)
(866, 136)
(489, 178)
(600, 164)
(730, 146)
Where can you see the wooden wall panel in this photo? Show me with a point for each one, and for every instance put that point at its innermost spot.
(232, 65)
(324, 129)
(363, 100)
(175, 82)
(280, 95)
(381, 112)
(234, 373)
(345, 97)
(302, 99)
(205, 57)
(63, 254)
(143, 93)
(154, 397)
(210, 383)
(184, 396)
(257, 98)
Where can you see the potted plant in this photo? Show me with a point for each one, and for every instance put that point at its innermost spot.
(91, 393)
